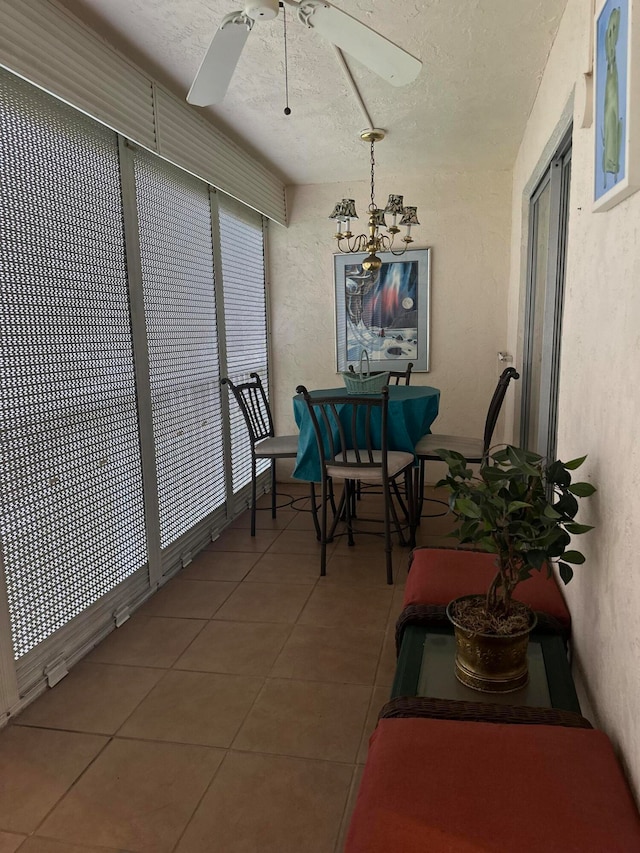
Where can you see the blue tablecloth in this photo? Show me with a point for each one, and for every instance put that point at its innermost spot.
(412, 410)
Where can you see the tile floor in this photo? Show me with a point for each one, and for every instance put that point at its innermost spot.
(230, 714)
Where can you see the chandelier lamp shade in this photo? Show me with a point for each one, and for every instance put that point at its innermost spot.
(375, 241)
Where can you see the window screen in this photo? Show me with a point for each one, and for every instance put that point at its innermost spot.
(242, 249)
(71, 516)
(174, 217)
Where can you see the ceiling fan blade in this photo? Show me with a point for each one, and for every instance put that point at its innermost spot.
(380, 55)
(219, 62)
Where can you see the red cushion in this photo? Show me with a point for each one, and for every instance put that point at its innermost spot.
(458, 787)
(438, 575)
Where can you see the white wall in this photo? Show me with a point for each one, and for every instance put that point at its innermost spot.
(465, 218)
(599, 400)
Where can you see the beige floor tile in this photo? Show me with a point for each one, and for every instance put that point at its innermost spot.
(283, 496)
(241, 540)
(270, 804)
(397, 605)
(137, 796)
(298, 542)
(368, 537)
(194, 707)
(9, 842)
(78, 702)
(48, 845)
(285, 568)
(188, 599)
(239, 648)
(307, 719)
(147, 641)
(436, 520)
(343, 655)
(219, 566)
(371, 551)
(348, 812)
(303, 520)
(284, 514)
(265, 602)
(386, 670)
(38, 765)
(302, 502)
(297, 488)
(379, 697)
(336, 606)
(356, 567)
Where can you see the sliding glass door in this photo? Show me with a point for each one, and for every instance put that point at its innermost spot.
(548, 217)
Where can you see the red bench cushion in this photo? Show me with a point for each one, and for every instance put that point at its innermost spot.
(461, 787)
(438, 575)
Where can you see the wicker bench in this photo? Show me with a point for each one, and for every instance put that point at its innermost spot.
(436, 784)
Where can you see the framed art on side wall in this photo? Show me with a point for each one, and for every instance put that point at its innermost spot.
(385, 312)
(616, 90)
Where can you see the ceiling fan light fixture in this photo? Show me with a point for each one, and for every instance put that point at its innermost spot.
(262, 10)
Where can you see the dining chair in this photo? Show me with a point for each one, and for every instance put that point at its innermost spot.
(397, 375)
(351, 436)
(253, 403)
(473, 449)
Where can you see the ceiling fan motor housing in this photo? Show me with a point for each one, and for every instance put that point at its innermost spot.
(261, 10)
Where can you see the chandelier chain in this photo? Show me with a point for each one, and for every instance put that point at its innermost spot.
(373, 163)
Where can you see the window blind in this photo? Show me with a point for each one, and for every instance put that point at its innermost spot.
(245, 317)
(71, 507)
(174, 217)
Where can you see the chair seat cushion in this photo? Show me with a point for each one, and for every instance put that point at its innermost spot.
(470, 448)
(397, 460)
(438, 575)
(280, 446)
(466, 787)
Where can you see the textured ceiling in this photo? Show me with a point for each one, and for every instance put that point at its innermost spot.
(482, 61)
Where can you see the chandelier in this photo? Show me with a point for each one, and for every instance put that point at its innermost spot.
(375, 241)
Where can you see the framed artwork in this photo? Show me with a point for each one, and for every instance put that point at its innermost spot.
(616, 90)
(384, 312)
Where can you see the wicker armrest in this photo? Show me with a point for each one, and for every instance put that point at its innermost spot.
(480, 712)
(435, 615)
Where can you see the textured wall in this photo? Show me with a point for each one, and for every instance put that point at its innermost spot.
(465, 218)
(599, 402)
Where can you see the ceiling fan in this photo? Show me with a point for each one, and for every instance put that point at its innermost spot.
(377, 53)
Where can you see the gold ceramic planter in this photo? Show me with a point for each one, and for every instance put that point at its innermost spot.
(491, 663)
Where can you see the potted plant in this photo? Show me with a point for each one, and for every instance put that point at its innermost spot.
(523, 510)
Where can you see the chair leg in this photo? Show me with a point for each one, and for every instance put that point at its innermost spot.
(396, 520)
(396, 492)
(337, 515)
(273, 488)
(420, 491)
(253, 495)
(314, 511)
(349, 490)
(323, 535)
(387, 532)
(331, 497)
(411, 493)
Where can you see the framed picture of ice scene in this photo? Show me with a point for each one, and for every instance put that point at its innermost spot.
(616, 90)
(385, 312)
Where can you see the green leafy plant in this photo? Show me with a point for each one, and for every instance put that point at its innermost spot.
(522, 510)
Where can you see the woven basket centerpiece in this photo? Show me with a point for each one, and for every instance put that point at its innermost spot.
(365, 383)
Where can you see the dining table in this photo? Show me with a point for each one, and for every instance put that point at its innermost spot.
(411, 411)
